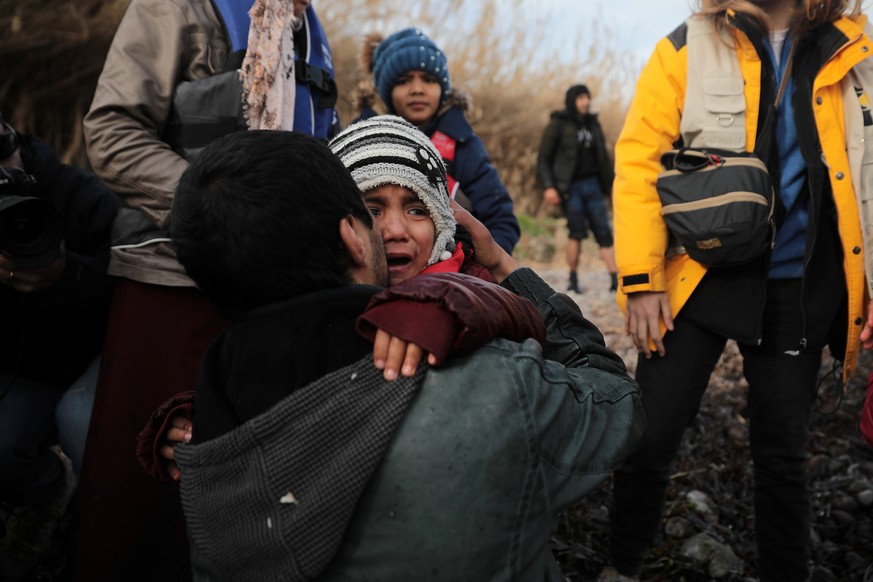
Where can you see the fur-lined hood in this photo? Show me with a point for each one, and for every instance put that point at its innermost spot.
(368, 47)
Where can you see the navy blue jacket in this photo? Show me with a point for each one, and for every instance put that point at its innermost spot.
(477, 177)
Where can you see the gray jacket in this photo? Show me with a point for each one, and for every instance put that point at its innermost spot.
(482, 454)
(159, 43)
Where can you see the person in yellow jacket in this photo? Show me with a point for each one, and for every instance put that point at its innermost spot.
(782, 308)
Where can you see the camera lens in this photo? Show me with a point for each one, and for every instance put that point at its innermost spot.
(22, 228)
(30, 231)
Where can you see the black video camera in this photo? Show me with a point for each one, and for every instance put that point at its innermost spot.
(30, 228)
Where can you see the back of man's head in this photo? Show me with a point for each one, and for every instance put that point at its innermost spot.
(256, 216)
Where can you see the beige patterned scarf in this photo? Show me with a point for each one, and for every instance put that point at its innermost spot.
(267, 73)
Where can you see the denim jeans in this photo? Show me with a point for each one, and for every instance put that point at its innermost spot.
(73, 414)
(782, 386)
(30, 474)
(585, 208)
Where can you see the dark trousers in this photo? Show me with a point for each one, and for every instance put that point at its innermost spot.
(130, 527)
(30, 474)
(585, 208)
(781, 391)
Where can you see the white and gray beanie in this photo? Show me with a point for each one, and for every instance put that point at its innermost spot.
(389, 150)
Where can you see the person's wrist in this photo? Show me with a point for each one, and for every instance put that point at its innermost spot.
(503, 268)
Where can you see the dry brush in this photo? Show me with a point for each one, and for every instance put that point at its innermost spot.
(53, 51)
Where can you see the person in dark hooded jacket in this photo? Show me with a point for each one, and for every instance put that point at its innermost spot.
(55, 222)
(576, 172)
(304, 463)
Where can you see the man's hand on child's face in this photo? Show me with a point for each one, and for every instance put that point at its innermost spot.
(486, 251)
(395, 356)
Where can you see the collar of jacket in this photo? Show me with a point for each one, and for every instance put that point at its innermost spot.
(563, 114)
(451, 122)
(751, 34)
(845, 45)
(839, 42)
(308, 300)
(315, 333)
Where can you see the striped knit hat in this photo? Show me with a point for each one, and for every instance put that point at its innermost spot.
(388, 150)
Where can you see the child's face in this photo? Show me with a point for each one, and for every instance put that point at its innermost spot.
(407, 229)
(416, 97)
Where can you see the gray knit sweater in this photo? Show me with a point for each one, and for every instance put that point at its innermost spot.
(271, 499)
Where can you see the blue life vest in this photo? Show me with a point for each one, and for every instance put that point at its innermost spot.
(209, 108)
(314, 111)
(235, 15)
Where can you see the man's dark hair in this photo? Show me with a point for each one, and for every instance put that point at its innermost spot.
(256, 216)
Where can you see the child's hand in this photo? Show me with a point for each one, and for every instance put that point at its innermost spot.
(396, 356)
(179, 432)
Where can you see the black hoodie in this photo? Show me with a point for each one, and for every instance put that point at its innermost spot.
(558, 160)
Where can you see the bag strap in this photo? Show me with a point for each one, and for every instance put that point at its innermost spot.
(786, 75)
(445, 145)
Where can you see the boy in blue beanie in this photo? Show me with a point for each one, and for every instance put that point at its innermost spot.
(411, 77)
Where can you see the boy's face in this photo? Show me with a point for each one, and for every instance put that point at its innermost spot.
(416, 97)
(407, 229)
(583, 103)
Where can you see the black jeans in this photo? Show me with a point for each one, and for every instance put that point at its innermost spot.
(30, 474)
(782, 384)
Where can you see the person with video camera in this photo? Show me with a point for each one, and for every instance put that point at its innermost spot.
(55, 222)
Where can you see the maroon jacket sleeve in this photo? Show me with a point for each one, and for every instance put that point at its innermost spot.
(153, 434)
(454, 312)
(867, 414)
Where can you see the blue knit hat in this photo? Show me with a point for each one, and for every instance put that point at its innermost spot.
(404, 51)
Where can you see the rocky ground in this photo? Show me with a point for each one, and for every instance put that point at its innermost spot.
(708, 529)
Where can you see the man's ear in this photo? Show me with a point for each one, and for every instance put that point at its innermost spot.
(352, 241)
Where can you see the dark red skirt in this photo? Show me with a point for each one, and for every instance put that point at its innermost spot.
(129, 526)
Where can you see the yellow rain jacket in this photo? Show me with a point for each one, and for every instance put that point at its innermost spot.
(652, 126)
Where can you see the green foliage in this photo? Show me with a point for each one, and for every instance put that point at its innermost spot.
(538, 226)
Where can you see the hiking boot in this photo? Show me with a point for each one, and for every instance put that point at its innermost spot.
(30, 528)
(613, 285)
(573, 286)
(610, 574)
